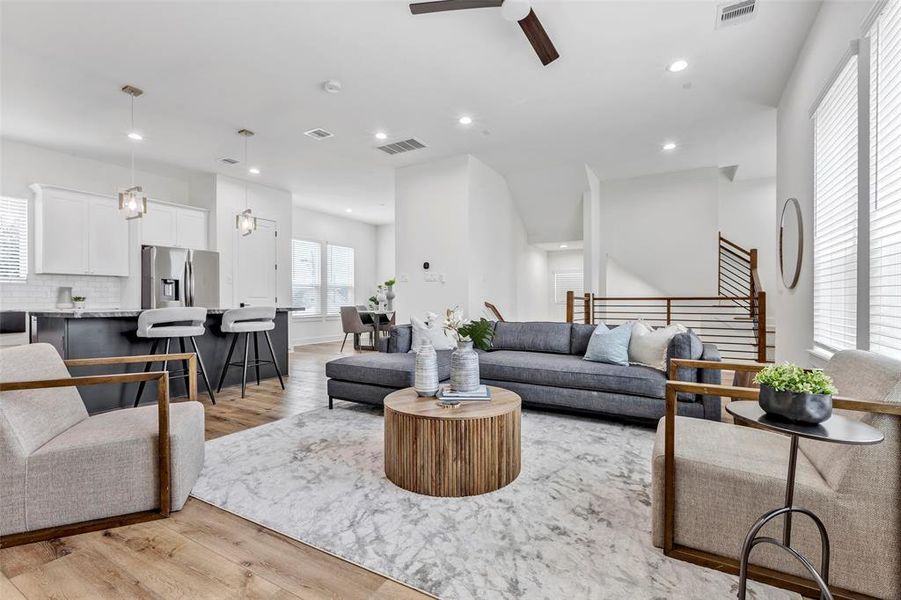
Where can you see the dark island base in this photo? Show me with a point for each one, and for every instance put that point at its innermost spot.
(90, 337)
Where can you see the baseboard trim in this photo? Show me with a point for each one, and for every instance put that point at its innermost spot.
(309, 341)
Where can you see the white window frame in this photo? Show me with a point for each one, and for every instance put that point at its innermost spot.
(323, 314)
(306, 315)
(560, 294)
(14, 215)
(328, 277)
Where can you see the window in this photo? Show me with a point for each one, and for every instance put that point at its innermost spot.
(13, 239)
(306, 278)
(885, 183)
(835, 214)
(565, 281)
(340, 278)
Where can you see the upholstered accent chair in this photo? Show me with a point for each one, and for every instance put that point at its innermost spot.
(352, 323)
(712, 481)
(64, 472)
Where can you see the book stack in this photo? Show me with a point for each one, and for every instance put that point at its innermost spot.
(480, 393)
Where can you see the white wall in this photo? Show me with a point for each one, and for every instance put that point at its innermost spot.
(597, 235)
(746, 214)
(627, 283)
(362, 237)
(663, 230)
(458, 214)
(384, 252)
(560, 261)
(266, 202)
(836, 25)
(25, 164)
(432, 224)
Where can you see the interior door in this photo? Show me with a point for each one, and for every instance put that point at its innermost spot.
(256, 266)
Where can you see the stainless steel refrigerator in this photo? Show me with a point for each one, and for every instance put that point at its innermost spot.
(179, 277)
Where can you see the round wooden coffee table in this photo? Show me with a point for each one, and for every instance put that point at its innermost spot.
(470, 449)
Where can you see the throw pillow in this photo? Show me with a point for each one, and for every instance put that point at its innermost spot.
(610, 345)
(648, 346)
(433, 330)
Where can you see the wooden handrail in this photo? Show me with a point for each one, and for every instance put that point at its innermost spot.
(733, 244)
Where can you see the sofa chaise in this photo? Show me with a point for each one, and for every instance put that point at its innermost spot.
(542, 362)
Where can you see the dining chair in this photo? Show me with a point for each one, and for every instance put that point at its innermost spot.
(352, 323)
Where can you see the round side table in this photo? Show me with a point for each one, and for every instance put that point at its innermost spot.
(837, 430)
(469, 449)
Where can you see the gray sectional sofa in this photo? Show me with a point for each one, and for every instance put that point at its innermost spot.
(542, 362)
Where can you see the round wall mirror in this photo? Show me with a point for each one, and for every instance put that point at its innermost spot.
(791, 242)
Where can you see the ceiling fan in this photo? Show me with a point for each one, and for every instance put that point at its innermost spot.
(513, 10)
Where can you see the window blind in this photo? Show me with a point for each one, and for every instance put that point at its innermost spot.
(306, 276)
(340, 278)
(835, 214)
(565, 281)
(885, 182)
(13, 239)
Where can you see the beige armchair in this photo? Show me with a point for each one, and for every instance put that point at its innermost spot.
(712, 481)
(63, 472)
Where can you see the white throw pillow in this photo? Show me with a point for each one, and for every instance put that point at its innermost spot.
(432, 331)
(648, 346)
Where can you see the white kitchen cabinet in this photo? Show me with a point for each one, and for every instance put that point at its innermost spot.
(158, 225)
(171, 225)
(78, 233)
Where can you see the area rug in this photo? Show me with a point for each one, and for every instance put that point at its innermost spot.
(575, 524)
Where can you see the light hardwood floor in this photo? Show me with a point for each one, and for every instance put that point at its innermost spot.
(202, 551)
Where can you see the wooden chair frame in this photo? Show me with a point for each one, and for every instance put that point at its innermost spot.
(805, 587)
(164, 450)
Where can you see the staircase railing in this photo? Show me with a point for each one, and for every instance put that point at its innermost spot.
(734, 319)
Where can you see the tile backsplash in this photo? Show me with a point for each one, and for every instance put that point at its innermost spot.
(41, 291)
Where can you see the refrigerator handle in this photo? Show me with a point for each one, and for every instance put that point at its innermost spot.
(191, 279)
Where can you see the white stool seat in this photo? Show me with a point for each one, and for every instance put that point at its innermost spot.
(250, 326)
(248, 319)
(160, 322)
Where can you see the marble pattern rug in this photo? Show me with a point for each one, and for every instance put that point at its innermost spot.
(574, 525)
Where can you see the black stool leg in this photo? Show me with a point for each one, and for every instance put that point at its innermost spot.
(274, 360)
(147, 368)
(256, 355)
(244, 375)
(184, 363)
(206, 381)
(228, 359)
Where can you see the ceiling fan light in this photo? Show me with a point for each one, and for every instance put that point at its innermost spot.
(515, 10)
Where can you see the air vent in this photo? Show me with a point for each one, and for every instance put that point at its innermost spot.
(229, 161)
(404, 146)
(319, 134)
(733, 13)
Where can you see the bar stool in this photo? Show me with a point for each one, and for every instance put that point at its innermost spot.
(247, 320)
(167, 323)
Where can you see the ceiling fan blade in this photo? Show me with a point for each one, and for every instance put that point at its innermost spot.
(420, 8)
(539, 39)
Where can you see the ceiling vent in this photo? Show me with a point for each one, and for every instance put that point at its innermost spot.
(318, 134)
(733, 13)
(404, 146)
(229, 161)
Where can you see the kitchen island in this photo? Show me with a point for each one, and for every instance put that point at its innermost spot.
(94, 333)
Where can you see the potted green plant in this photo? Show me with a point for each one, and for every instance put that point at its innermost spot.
(796, 394)
(78, 301)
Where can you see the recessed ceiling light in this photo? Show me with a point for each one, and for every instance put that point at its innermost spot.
(350, 210)
(134, 135)
(679, 65)
(381, 135)
(669, 146)
(465, 120)
(564, 246)
(254, 171)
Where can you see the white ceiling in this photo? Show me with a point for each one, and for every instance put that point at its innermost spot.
(209, 68)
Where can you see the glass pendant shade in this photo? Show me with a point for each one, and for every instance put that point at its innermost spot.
(133, 202)
(245, 222)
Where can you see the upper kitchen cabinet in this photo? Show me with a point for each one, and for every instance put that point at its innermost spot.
(171, 225)
(78, 233)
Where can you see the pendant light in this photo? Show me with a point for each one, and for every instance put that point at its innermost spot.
(133, 201)
(245, 222)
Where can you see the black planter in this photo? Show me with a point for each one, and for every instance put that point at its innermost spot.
(794, 406)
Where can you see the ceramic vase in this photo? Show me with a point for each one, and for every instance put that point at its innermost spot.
(380, 296)
(389, 296)
(464, 368)
(796, 406)
(425, 378)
